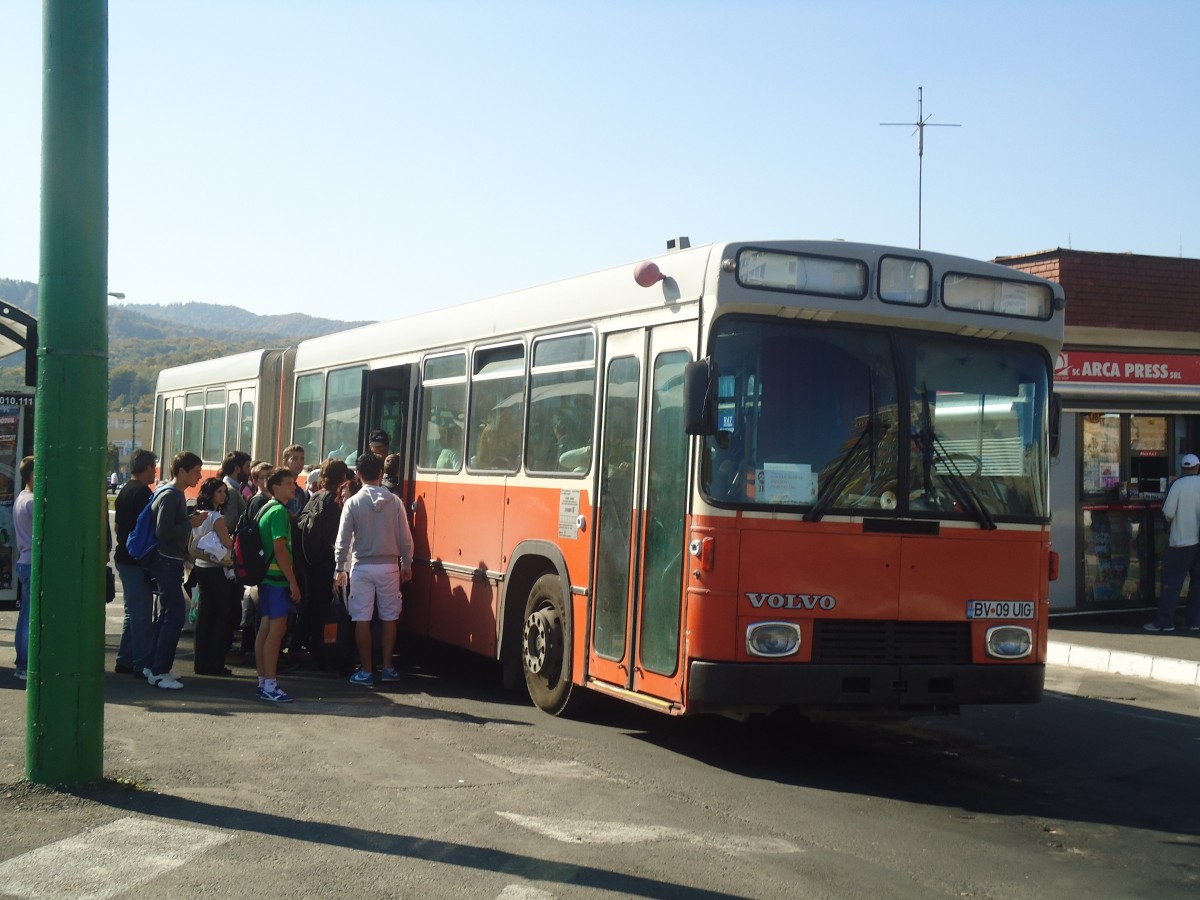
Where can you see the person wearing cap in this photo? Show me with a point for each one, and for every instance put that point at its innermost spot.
(1181, 509)
(378, 442)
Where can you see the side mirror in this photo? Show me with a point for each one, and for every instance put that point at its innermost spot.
(700, 397)
(1055, 424)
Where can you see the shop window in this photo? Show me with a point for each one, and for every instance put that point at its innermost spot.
(1101, 453)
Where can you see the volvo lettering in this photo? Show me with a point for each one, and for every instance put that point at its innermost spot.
(792, 601)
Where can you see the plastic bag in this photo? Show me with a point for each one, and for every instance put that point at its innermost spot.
(205, 545)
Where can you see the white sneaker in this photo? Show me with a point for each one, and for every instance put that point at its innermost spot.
(166, 680)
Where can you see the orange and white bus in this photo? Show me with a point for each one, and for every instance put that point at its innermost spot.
(731, 479)
(240, 402)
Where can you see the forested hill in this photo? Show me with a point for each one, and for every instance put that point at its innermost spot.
(145, 338)
(201, 317)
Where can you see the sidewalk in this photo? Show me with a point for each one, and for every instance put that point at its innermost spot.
(1117, 644)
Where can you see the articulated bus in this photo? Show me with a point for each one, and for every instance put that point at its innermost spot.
(731, 479)
(238, 402)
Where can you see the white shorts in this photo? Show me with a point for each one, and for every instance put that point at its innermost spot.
(372, 585)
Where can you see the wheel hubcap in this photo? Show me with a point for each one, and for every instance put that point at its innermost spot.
(540, 643)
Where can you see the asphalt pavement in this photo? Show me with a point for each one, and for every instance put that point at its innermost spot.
(186, 770)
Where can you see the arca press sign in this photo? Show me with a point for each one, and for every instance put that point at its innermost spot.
(1097, 367)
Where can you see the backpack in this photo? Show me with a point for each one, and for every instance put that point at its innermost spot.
(250, 559)
(143, 540)
(318, 526)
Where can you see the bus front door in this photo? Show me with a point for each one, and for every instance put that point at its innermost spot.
(637, 610)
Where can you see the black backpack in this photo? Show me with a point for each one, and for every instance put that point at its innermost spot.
(250, 558)
(318, 526)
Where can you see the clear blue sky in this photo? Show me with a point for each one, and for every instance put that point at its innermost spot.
(370, 158)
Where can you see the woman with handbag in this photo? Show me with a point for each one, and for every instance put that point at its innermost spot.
(211, 548)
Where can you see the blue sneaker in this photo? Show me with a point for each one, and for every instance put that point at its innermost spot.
(389, 675)
(276, 695)
(362, 677)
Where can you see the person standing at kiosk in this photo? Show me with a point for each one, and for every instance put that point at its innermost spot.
(1182, 510)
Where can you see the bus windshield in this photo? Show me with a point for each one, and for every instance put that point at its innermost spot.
(809, 417)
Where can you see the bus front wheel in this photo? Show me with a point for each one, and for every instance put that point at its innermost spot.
(544, 650)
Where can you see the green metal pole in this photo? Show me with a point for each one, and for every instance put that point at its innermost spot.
(64, 741)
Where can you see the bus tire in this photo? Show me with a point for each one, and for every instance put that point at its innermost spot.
(545, 656)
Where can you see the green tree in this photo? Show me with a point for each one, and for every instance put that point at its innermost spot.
(123, 386)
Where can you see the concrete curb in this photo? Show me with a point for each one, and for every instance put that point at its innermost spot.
(1122, 662)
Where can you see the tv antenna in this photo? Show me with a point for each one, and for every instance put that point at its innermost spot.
(919, 130)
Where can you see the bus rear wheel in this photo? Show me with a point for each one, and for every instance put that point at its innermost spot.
(544, 651)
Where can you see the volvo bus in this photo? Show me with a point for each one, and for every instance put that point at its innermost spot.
(730, 479)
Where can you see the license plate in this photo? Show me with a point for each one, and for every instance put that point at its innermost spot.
(999, 609)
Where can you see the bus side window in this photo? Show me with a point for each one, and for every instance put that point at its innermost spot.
(497, 408)
(443, 405)
(247, 421)
(562, 397)
(309, 412)
(342, 392)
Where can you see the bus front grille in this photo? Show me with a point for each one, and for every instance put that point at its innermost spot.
(891, 643)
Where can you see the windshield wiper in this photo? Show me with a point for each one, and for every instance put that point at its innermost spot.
(837, 480)
(933, 451)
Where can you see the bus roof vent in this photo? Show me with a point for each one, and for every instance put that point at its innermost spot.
(678, 243)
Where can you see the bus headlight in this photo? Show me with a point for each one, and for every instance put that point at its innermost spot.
(1009, 641)
(772, 638)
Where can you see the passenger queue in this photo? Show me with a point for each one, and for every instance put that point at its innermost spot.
(335, 558)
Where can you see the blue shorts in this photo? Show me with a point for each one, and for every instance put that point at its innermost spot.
(274, 602)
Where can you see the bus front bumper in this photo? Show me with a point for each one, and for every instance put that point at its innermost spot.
(715, 685)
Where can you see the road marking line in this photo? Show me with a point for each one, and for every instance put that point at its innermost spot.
(548, 768)
(106, 861)
(523, 892)
(581, 831)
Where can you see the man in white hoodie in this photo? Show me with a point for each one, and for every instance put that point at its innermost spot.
(374, 537)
